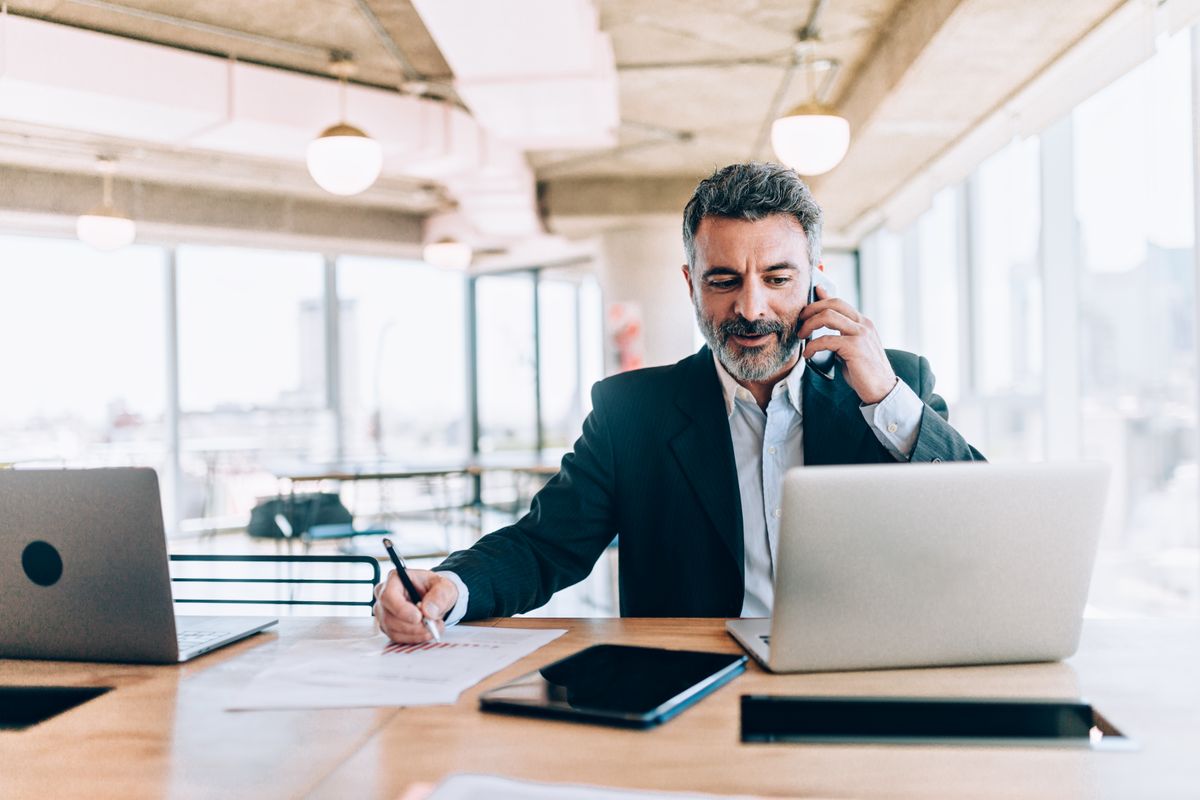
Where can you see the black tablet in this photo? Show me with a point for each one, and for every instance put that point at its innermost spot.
(927, 720)
(613, 684)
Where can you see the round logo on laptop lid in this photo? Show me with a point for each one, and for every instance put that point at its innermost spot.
(42, 563)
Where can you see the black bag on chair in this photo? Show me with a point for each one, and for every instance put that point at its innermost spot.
(302, 511)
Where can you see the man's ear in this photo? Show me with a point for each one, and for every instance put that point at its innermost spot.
(687, 278)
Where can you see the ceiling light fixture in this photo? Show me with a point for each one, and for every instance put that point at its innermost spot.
(812, 138)
(343, 160)
(448, 254)
(105, 228)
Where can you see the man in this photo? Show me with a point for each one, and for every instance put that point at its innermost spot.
(686, 462)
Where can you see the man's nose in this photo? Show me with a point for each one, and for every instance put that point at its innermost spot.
(751, 301)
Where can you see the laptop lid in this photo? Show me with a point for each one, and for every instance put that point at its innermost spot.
(83, 566)
(933, 564)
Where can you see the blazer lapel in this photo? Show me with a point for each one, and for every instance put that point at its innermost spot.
(704, 451)
(834, 430)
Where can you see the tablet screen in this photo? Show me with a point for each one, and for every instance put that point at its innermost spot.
(617, 681)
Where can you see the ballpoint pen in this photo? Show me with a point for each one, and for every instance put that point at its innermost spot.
(413, 594)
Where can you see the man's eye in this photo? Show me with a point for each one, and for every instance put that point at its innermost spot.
(779, 280)
(722, 284)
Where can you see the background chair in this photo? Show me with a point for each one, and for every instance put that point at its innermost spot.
(289, 584)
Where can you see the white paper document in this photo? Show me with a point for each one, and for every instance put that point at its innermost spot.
(348, 673)
(490, 787)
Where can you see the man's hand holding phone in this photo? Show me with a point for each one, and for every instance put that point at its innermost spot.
(864, 363)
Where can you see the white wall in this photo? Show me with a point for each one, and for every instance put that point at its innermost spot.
(641, 264)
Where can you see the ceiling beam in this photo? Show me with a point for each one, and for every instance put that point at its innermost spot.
(938, 69)
(901, 40)
(406, 29)
(165, 212)
(615, 196)
(572, 201)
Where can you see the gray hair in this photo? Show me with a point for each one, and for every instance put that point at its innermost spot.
(751, 192)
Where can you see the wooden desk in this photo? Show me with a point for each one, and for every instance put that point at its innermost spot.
(162, 732)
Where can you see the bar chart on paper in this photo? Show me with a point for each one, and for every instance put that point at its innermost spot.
(375, 672)
(399, 649)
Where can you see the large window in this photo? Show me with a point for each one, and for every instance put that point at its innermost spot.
(883, 287)
(912, 290)
(937, 260)
(572, 353)
(841, 267)
(526, 381)
(507, 372)
(1007, 301)
(84, 355)
(1079, 277)
(591, 341)
(403, 357)
(251, 375)
(1137, 360)
(211, 364)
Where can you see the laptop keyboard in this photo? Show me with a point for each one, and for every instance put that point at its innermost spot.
(190, 640)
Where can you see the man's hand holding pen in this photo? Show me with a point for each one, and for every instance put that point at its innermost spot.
(401, 618)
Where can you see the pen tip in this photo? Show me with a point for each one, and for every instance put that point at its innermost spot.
(387, 542)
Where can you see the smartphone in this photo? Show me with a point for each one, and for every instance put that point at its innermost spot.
(823, 362)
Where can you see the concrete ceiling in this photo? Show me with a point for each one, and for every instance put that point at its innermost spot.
(698, 81)
(391, 51)
(298, 34)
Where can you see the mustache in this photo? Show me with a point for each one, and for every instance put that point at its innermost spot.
(744, 327)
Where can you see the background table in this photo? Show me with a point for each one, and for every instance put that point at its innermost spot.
(162, 732)
(528, 476)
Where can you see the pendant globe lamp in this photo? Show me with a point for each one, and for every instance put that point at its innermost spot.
(343, 160)
(104, 227)
(448, 253)
(811, 138)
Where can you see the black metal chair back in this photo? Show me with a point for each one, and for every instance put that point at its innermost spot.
(370, 579)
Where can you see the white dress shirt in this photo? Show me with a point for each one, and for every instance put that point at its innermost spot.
(766, 444)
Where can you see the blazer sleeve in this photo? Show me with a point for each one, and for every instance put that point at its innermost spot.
(937, 440)
(570, 523)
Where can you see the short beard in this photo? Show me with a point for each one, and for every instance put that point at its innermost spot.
(753, 364)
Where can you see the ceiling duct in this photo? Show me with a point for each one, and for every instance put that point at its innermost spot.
(67, 78)
(539, 74)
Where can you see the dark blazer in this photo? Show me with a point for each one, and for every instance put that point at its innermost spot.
(655, 464)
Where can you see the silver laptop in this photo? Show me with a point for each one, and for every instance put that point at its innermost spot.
(927, 565)
(84, 572)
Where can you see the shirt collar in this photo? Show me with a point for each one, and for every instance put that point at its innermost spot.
(733, 391)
